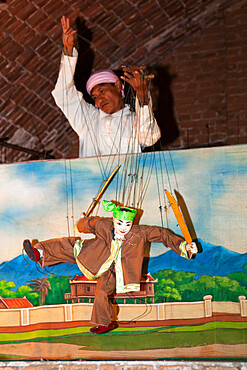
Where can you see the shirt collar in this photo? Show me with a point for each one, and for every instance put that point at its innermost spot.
(116, 236)
(124, 111)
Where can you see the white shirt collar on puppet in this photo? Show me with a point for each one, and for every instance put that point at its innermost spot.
(117, 236)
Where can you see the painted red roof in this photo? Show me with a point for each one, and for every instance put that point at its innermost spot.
(82, 278)
(146, 277)
(16, 302)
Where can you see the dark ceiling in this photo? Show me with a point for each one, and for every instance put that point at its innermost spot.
(110, 33)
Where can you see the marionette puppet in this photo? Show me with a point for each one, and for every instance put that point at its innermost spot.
(114, 256)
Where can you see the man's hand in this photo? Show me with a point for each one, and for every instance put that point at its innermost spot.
(137, 81)
(68, 36)
(191, 249)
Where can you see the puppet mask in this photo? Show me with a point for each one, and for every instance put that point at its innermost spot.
(122, 227)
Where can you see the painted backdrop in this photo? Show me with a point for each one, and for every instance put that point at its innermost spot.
(199, 309)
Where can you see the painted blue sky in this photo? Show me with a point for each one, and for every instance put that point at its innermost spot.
(41, 200)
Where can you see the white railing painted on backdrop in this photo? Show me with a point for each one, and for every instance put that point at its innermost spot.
(144, 312)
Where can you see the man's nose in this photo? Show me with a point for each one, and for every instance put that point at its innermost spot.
(100, 99)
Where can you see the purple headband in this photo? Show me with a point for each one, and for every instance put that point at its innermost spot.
(104, 76)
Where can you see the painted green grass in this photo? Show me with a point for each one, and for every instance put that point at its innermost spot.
(44, 333)
(148, 337)
(156, 339)
(40, 334)
(9, 357)
(210, 325)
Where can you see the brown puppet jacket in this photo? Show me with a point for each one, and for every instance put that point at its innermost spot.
(96, 251)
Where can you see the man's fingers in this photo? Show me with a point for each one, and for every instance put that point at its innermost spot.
(67, 23)
(69, 34)
(127, 74)
(64, 23)
(133, 76)
(132, 82)
(137, 74)
(125, 78)
(129, 77)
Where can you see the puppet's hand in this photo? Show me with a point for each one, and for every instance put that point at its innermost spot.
(68, 36)
(191, 249)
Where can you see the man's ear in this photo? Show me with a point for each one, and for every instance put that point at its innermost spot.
(118, 85)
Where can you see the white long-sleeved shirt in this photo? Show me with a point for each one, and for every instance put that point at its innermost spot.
(100, 133)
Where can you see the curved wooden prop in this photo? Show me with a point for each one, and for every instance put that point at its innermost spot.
(179, 217)
(140, 68)
(101, 192)
(133, 68)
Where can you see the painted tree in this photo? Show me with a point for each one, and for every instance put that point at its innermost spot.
(222, 288)
(228, 289)
(27, 291)
(6, 291)
(239, 276)
(59, 286)
(41, 286)
(181, 280)
(6, 288)
(186, 284)
(165, 291)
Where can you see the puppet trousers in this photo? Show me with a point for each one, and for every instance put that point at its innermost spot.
(61, 250)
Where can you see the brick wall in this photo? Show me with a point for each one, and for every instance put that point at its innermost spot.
(208, 89)
(197, 50)
(123, 365)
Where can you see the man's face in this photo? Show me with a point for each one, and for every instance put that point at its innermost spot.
(108, 97)
(122, 227)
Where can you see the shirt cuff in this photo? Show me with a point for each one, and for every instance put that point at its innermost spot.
(71, 59)
(183, 250)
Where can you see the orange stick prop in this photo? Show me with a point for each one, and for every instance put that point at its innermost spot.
(179, 217)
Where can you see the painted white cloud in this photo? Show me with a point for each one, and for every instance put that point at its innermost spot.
(23, 192)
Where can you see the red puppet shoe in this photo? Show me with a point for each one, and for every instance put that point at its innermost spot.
(32, 252)
(101, 329)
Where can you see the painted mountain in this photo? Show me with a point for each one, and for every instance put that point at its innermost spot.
(214, 261)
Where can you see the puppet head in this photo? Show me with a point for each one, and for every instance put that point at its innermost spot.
(123, 217)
